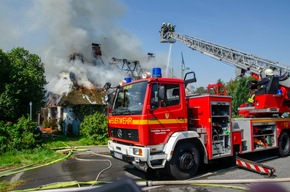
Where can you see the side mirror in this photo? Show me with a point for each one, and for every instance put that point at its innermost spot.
(189, 80)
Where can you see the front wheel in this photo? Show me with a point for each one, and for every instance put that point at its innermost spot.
(284, 144)
(185, 161)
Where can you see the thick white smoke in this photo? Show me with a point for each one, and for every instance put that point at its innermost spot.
(54, 29)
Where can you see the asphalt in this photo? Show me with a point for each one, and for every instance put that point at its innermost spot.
(99, 149)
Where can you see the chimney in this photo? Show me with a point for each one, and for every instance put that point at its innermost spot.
(96, 50)
(96, 54)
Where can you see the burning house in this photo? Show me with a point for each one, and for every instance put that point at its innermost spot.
(78, 97)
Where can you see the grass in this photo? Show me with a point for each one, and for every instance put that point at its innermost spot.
(6, 186)
(37, 156)
(62, 141)
(40, 155)
(15, 159)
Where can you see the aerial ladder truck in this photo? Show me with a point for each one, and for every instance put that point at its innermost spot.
(155, 124)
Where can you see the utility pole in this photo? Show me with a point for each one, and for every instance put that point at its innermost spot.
(30, 105)
(183, 67)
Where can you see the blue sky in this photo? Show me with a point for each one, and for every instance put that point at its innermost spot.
(258, 27)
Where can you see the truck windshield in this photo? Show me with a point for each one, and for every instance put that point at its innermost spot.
(130, 99)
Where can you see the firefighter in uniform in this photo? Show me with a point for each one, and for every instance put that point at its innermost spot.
(262, 84)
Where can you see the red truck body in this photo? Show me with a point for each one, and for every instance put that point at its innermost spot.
(166, 128)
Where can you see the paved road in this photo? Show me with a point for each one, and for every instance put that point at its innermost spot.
(93, 165)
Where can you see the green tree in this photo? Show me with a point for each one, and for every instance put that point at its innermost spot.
(22, 82)
(200, 90)
(5, 69)
(241, 94)
(231, 86)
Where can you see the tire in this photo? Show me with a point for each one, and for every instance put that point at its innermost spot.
(185, 161)
(284, 144)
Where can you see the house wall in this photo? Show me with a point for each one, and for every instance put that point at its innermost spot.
(70, 123)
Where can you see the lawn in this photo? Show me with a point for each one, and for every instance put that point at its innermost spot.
(36, 157)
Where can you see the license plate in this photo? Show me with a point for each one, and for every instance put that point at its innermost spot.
(118, 155)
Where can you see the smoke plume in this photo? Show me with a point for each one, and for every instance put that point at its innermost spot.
(54, 29)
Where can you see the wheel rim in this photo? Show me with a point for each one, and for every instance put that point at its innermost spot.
(186, 161)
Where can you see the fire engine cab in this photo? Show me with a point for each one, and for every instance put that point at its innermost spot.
(154, 124)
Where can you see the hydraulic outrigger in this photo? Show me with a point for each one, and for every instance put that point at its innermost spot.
(254, 166)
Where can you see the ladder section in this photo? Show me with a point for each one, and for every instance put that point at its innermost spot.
(247, 62)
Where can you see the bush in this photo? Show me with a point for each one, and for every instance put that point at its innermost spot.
(4, 135)
(94, 129)
(19, 136)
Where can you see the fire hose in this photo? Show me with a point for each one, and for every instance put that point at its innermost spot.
(68, 186)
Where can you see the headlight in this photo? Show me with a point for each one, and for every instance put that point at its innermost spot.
(137, 151)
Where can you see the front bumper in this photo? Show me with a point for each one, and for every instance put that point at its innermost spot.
(140, 157)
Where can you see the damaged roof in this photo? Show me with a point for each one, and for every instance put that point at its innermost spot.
(83, 96)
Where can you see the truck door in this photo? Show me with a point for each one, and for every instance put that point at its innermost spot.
(167, 112)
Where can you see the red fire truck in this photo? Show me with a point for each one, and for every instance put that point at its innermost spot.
(153, 123)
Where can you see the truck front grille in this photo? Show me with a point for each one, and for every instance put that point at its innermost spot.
(127, 134)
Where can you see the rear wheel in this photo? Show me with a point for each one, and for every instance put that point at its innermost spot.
(185, 161)
(284, 144)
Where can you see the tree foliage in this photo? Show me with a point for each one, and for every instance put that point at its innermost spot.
(22, 82)
(231, 86)
(200, 90)
(241, 94)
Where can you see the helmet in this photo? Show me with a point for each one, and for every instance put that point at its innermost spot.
(269, 72)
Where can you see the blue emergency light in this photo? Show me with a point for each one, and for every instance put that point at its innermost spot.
(128, 79)
(156, 72)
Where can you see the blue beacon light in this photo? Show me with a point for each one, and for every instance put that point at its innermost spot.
(156, 72)
(128, 79)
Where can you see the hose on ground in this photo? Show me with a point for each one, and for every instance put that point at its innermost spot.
(143, 184)
(98, 160)
(67, 186)
(192, 182)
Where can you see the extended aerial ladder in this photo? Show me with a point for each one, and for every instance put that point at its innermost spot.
(269, 102)
(244, 62)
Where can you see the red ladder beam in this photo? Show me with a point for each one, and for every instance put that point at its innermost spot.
(254, 166)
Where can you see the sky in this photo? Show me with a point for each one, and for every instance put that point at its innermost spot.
(129, 29)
